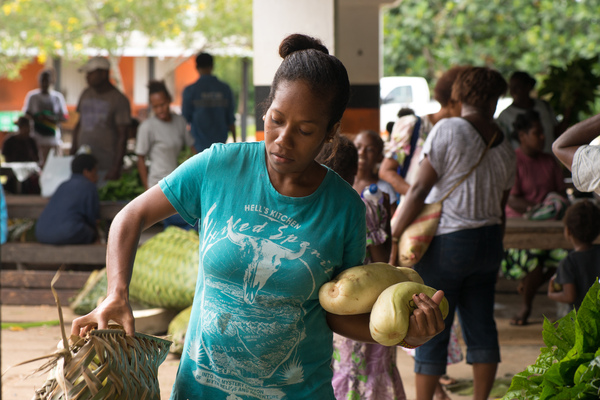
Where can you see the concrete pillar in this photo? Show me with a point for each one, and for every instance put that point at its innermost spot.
(350, 29)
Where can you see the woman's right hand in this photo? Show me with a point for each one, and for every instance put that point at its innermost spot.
(114, 308)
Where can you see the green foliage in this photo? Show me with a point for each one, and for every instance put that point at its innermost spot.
(66, 28)
(426, 37)
(229, 70)
(569, 366)
(125, 188)
(572, 90)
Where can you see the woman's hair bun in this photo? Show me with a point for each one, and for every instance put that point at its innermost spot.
(297, 42)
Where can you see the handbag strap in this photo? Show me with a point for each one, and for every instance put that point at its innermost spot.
(472, 168)
(413, 146)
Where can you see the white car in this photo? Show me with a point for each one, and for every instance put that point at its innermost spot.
(399, 92)
(412, 92)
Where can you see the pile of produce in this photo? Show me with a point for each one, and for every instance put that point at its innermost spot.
(569, 366)
(177, 330)
(165, 269)
(164, 273)
(126, 188)
(381, 289)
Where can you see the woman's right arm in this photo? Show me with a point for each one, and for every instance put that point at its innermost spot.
(519, 203)
(566, 145)
(141, 213)
(413, 203)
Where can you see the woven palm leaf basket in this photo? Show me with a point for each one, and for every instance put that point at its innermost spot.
(106, 364)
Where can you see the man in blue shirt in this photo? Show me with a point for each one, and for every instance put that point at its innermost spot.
(73, 210)
(208, 106)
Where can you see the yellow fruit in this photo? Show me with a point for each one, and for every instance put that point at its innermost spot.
(391, 312)
(355, 290)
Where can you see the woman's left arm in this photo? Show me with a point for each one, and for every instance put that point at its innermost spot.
(413, 203)
(425, 322)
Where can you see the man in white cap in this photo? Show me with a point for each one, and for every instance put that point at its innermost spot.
(104, 120)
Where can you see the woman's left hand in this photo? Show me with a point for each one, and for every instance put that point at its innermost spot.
(426, 320)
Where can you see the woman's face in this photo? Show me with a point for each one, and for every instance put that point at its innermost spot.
(295, 129)
(160, 104)
(368, 153)
(533, 140)
(518, 89)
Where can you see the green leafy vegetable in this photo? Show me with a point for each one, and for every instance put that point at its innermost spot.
(127, 187)
(569, 367)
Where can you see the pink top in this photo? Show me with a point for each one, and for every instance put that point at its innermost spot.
(536, 177)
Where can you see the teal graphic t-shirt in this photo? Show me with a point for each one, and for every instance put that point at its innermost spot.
(257, 330)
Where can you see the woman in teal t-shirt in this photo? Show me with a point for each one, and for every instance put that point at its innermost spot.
(275, 225)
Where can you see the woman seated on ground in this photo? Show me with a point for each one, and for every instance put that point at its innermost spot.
(538, 181)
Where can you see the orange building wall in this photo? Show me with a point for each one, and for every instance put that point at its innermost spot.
(185, 74)
(12, 92)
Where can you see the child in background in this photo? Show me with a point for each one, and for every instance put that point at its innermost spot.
(370, 154)
(363, 371)
(72, 213)
(581, 268)
(160, 139)
(538, 176)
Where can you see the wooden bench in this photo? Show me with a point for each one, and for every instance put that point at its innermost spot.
(39, 253)
(30, 206)
(21, 253)
(33, 287)
(525, 234)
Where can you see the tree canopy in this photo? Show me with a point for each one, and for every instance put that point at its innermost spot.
(69, 28)
(425, 37)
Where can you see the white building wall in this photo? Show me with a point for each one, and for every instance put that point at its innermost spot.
(72, 81)
(273, 20)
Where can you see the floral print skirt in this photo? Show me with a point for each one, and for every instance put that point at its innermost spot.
(365, 371)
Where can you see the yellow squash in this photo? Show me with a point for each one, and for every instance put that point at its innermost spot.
(355, 290)
(393, 308)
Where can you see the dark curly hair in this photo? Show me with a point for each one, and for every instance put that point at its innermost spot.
(305, 58)
(442, 92)
(158, 87)
(583, 221)
(524, 122)
(478, 86)
(83, 162)
(341, 157)
(524, 78)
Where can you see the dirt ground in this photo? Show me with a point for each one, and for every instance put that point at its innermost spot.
(520, 346)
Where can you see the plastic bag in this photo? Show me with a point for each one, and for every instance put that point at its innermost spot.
(56, 171)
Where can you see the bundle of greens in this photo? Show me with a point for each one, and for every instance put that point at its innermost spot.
(127, 187)
(569, 367)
